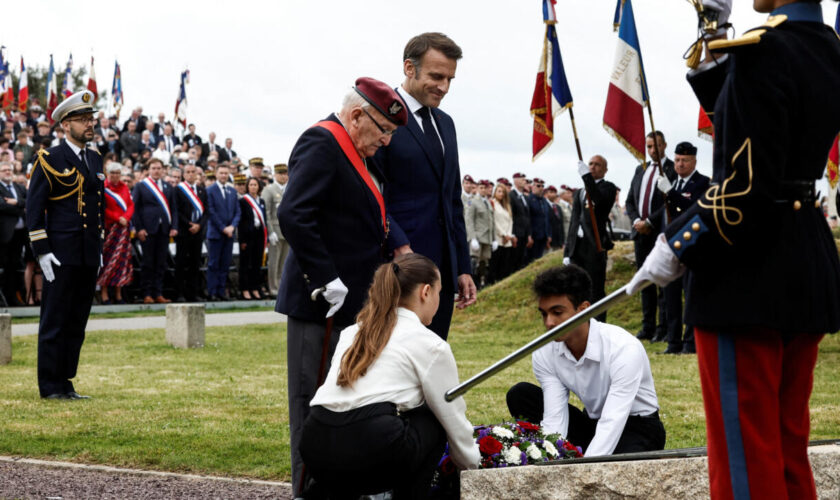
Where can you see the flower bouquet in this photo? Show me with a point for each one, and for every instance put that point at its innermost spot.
(504, 445)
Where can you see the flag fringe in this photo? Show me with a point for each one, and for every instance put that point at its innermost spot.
(832, 167)
(633, 151)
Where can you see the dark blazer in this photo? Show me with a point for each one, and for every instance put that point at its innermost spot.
(149, 214)
(224, 156)
(221, 212)
(657, 205)
(602, 195)
(186, 209)
(73, 231)
(333, 224)
(679, 201)
(9, 214)
(246, 226)
(206, 150)
(521, 215)
(423, 195)
(538, 209)
(162, 138)
(555, 218)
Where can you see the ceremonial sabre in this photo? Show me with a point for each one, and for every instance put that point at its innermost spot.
(555, 333)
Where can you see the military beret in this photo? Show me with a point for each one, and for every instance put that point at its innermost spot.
(537, 180)
(383, 98)
(77, 104)
(256, 161)
(685, 148)
(210, 174)
(281, 168)
(240, 179)
(503, 180)
(468, 178)
(518, 175)
(485, 182)
(551, 188)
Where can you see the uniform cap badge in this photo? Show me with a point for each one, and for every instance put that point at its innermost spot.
(85, 98)
(395, 108)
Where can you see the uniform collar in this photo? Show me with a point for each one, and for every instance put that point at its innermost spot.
(801, 11)
(76, 149)
(412, 103)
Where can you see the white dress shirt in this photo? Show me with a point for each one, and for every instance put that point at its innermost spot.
(612, 378)
(415, 366)
(414, 106)
(504, 223)
(649, 171)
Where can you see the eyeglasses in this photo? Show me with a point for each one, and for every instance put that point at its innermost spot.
(84, 120)
(389, 133)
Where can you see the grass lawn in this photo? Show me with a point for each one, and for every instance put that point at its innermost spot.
(222, 409)
(144, 313)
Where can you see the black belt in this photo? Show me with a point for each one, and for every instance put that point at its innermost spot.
(797, 193)
(652, 415)
(339, 418)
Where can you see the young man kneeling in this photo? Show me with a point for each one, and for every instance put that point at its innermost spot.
(603, 364)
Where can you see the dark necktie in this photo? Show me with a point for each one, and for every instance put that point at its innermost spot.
(680, 186)
(12, 190)
(646, 200)
(432, 138)
(82, 157)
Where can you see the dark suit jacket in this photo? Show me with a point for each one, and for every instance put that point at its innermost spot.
(149, 214)
(602, 195)
(657, 205)
(206, 150)
(555, 218)
(679, 201)
(9, 214)
(333, 224)
(224, 156)
(175, 140)
(423, 195)
(246, 226)
(185, 211)
(521, 215)
(538, 209)
(221, 212)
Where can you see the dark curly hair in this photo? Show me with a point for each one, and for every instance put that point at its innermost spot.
(571, 281)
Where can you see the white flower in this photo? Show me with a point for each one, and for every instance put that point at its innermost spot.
(503, 433)
(533, 452)
(550, 449)
(512, 455)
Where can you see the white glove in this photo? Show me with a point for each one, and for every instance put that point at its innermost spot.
(46, 262)
(663, 184)
(566, 261)
(661, 267)
(494, 245)
(583, 168)
(723, 8)
(335, 292)
(474, 245)
(273, 238)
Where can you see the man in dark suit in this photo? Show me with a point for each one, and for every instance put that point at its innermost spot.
(209, 147)
(423, 192)
(138, 119)
(521, 215)
(227, 153)
(155, 219)
(67, 183)
(555, 218)
(223, 214)
(645, 206)
(168, 139)
(539, 209)
(587, 244)
(12, 232)
(333, 216)
(192, 219)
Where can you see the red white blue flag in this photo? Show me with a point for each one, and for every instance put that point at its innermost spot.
(627, 95)
(116, 89)
(8, 91)
(23, 87)
(181, 102)
(92, 81)
(67, 88)
(51, 97)
(551, 92)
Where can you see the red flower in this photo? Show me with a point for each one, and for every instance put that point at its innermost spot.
(568, 445)
(447, 467)
(489, 445)
(528, 426)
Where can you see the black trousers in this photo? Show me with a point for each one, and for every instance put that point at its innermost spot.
(677, 339)
(653, 297)
(519, 255)
(443, 317)
(11, 258)
(155, 251)
(370, 450)
(65, 307)
(592, 261)
(188, 264)
(537, 250)
(641, 433)
(250, 261)
(500, 264)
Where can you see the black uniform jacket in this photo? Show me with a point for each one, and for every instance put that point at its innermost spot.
(602, 196)
(761, 251)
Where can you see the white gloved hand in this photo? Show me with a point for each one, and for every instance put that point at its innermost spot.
(723, 8)
(566, 261)
(661, 267)
(663, 184)
(335, 292)
(494, 246)
(583, 168)
(474, 245)
(273, 238)
(46, 262)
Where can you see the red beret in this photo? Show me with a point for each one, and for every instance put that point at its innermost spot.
(551, 188)
(537, 180)
(518, 175)
(468, 178)
(503, 180)
(485, 182)
(383, 98)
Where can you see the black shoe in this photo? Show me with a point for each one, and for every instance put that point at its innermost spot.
(75, 395)
(688, 350)
(672, 350)
(643, 335)
(658, 338)
(57, 395)
(180, 299)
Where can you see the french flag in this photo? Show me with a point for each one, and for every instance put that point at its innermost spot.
(92, 81)
(181, 102)
(627, 96)
(52, 91)
(67, 90)
(23, 87)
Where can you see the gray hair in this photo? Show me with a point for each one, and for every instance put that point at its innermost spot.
(353, 99)
(114, 167)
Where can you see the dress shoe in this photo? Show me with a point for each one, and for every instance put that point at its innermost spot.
(148, 300)
(160, 299)
(689, 350)
(658, 338)
(643, 335)
(671, 350)
(75, 395)
(57, 395)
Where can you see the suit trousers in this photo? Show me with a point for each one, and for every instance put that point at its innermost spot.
(250, 262)
(500, 264)
(65, 307)
(304, 344)
(677, 340)
(537, 250)
(155, 252)
(519, 255)
(443, 317)
(219, 256)
(641, 433)
(277, 254)
(595, 264)
(11, 258)
(371, 449)
(188, 265)
(653, 297)
(756, 386)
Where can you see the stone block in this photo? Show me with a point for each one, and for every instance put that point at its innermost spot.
(683, 478)
(185, 325)
(5, 339)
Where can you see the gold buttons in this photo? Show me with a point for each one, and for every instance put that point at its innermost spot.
(84, 214)
(797, 205)
(687, 235)
(695, 226)
(84, 226)
(677, 245)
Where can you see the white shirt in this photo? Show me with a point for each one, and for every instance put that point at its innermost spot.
(415, 366)
(504, 223)
(414, 106)
(684, 180)
(649, 171)
(162, 155)
(612, 378)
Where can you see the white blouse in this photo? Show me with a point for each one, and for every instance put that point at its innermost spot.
(504, 223)
(415, 366)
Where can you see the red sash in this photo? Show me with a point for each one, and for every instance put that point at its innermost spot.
(258, 214)
(343, 138)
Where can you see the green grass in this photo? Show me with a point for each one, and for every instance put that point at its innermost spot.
(222, 409)
(144, 313)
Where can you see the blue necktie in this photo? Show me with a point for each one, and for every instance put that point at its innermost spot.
(432, 138)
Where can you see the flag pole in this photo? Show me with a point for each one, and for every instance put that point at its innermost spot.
(589, 204)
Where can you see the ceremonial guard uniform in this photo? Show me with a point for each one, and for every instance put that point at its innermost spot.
(65, 217)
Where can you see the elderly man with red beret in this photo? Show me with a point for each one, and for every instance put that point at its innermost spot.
(333, 216)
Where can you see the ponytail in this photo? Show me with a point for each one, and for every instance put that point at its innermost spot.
(378, 317)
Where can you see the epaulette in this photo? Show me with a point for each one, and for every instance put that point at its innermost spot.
(751, 37)
(95, 150)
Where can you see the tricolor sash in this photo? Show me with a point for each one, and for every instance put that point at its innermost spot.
(116, 198)
(194, 199)
(343, 138)
(158, 194)
(258, 214)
